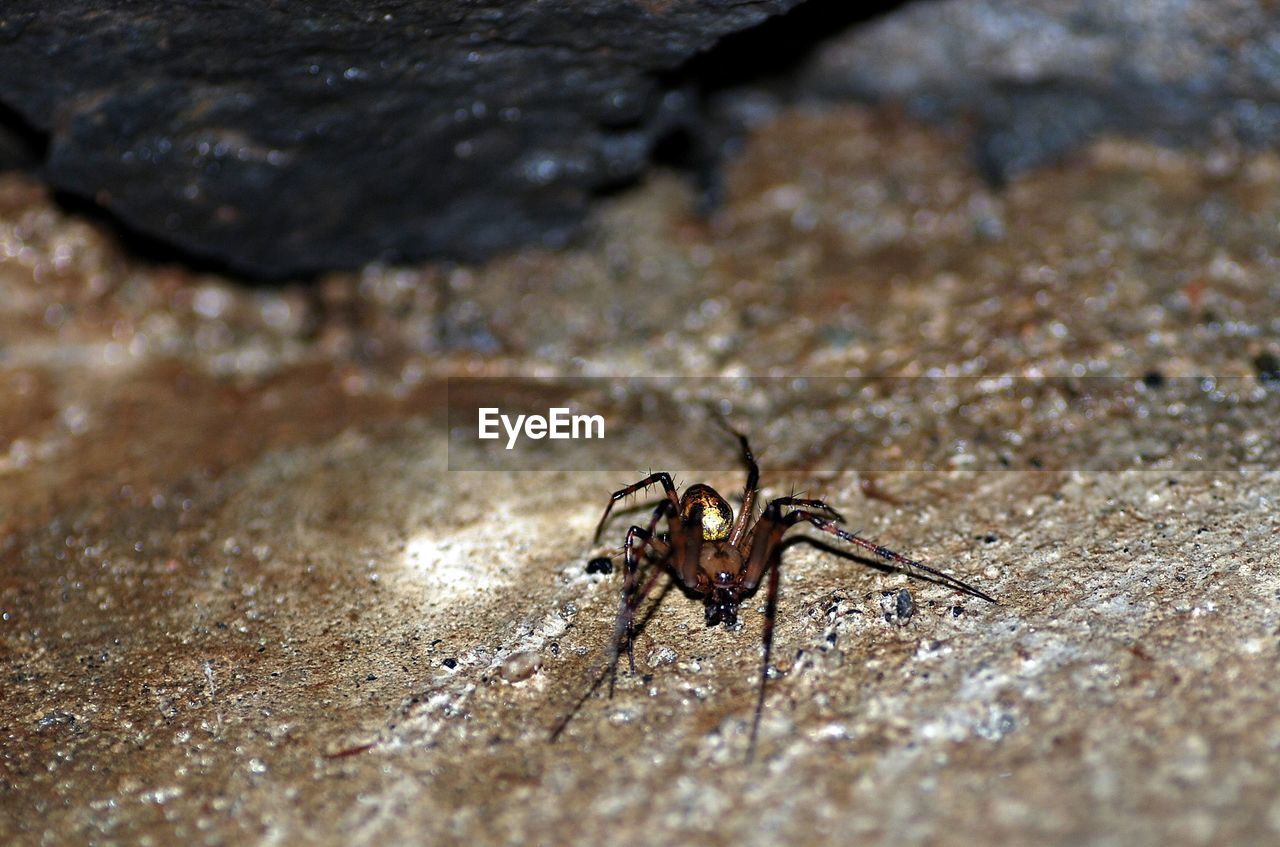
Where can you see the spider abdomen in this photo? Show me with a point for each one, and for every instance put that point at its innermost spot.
(717, 514)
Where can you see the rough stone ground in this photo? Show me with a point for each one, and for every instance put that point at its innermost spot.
(242, 600)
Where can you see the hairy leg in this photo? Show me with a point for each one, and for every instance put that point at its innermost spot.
(624, 626)
(769, 531)
(748, 491)
(661, 477)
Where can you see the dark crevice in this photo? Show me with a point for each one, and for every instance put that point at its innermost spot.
(22, 145)
(156, 251)
(757, 64)
(774, 49)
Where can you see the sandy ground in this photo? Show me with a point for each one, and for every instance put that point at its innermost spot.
(243, 599)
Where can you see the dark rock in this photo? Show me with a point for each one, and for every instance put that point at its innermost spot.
(1042, 76)
(897, 606)
(285, 137)
(21, 146)
(1268, 368)
(600, 564)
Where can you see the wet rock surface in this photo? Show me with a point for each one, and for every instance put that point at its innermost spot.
(242, 599)
(281, 138)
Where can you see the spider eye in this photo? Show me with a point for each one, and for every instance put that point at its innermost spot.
(724, 578)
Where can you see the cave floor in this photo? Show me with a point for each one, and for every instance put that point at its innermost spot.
(244, 600)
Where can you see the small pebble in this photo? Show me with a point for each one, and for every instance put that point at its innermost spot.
(905, 605)
(898, 606)
(663, 655)
(600, 564)
(520, 666)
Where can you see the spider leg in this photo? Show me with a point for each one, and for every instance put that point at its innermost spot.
(601, 669)
(680, 548)
(631, 624)
(662, 477)
(685, 539)
(748, 491)
(772, 523)
(808, 504)
(826, 525)
(624, 627)
(768, 532)
(770, 613)
(758, 551)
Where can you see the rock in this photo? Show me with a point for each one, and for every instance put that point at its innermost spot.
(1042, 76)
(520, 666)
(282, 138)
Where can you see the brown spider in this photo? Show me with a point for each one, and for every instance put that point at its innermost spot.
(722, 559)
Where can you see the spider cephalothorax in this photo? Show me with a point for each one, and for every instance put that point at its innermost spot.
(722, 557)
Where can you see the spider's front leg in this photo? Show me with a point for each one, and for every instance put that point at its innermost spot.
(766, 535)
(807, 504)
(748, 492)
(826, 525)
(770, 615)
(667, 485)
(773, 524)
(624, 627)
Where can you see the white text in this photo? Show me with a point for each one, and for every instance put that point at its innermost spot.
(558, 424)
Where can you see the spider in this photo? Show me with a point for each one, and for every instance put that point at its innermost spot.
(722, 559)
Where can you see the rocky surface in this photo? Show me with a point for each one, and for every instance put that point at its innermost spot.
(1040, 78)
(242, 599)
(281, 138)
